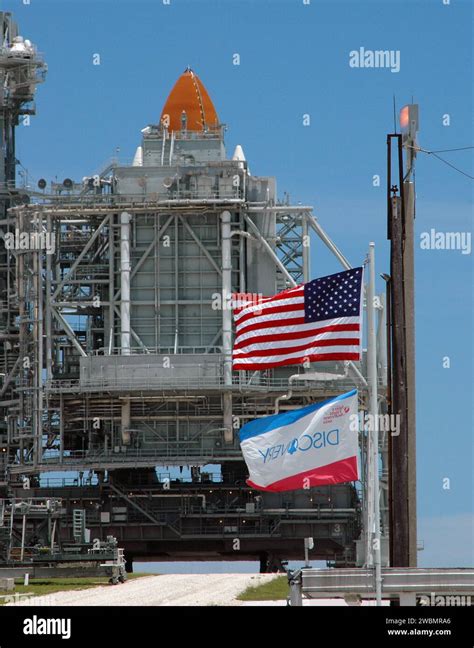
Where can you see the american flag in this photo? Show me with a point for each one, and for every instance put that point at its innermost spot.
(317, 321)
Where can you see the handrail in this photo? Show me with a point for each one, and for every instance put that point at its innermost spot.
(153, 383)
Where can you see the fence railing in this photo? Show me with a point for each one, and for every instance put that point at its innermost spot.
(165, 455)
(158, 383)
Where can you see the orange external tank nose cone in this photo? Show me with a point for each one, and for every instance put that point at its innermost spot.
(189, 105)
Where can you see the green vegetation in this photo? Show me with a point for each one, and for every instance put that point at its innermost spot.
(274, 590)
(43, 586)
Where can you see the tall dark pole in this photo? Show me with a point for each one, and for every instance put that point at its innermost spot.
(409, 296)
(402, 447)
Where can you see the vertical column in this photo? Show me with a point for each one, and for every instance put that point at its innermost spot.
(226, 243)
(61, 428)
(38, 342)
(125, 218)
(295, 583)
(57, 280)
(369, 495)
(242, 264)
(48, 319)
(382, 366)
(399, 466)
(409, 296)
(125, 421)
(306, 248)
(23, 352)
(373, 409)
(111, 318)
(176, 283)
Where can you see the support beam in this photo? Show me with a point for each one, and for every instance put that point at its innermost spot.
(328, 242)
(39, 347)
(47, 311)
(9, 377)
(125, 218)
(69, 332)
(147, 252)
(133, 333)
(125, 421)
(110, 322)
(373, 457)
(269, 249)
(226, 243)
(133, 503)
(83, 253)
(200, 245)
(61, 428)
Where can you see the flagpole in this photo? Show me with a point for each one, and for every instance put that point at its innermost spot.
(373, 459)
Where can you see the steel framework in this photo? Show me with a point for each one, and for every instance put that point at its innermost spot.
(116, 357)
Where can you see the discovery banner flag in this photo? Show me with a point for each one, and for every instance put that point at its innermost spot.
(311, 446)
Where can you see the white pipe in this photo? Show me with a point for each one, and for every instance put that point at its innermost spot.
(330, 244)
(111, 339)
(125, 282)
(171, 147)
(306, 250)
(382, 341)
(226, 296)
(242, 234)
(373, 409)
(286, 396)
(53, 533)
(356, 372)
(253, 206)
(23, 534)
(226, 244)
(319, 376)
(125, 267)
(270, 251)
(242, 264)
(138, 206)
(125, 421)
(163, 150)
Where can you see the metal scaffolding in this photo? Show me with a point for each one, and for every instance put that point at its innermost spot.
(116, 356)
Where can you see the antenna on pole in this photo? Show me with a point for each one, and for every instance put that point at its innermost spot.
(394, 115)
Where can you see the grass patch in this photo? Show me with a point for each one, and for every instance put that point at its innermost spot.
(275, 590)
(43, 586)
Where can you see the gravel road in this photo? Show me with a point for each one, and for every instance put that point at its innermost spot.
(169, 589)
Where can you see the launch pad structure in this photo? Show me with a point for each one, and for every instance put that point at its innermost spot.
(116, 342)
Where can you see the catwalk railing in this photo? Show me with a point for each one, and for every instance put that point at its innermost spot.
(166, 454)
(255, 383)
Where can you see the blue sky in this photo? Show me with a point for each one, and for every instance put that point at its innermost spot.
(294, 60)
